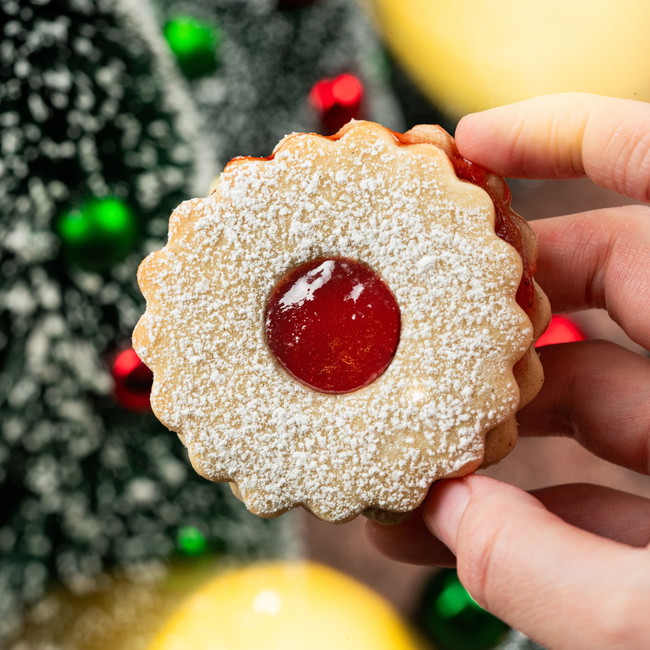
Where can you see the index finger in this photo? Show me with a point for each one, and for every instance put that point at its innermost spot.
(564, 136)
(599, 259)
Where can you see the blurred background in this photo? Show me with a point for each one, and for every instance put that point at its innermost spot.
(111, 113)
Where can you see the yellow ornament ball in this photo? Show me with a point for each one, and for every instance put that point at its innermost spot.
(282, 606)
(469, 55)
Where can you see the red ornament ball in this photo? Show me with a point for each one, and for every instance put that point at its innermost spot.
(133, 381)
(333, 324)
(561, 330)
(337, 101)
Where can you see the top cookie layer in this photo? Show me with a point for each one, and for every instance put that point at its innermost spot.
(401, 210)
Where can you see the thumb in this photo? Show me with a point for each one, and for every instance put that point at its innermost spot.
(564, 587)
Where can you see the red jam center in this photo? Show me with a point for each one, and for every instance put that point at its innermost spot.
(333, 324)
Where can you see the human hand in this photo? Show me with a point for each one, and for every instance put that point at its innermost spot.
(568, 565)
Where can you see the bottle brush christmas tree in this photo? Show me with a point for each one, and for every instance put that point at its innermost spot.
(111, 113)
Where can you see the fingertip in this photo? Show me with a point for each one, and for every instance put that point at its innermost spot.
(464, 129)
(525, 139)
(489, 139)
(472, 135)
(409, 542)
(444, 507)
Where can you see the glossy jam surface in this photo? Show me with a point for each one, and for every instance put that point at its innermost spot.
(333, 324)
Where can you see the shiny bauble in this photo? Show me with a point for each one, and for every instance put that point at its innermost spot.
(194, 44)
(282, 606)
(453, 620)
(98, 233)
(469, 56)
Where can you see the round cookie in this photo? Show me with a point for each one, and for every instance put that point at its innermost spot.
(464, 364)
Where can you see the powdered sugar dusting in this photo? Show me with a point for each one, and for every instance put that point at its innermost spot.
(398, 209)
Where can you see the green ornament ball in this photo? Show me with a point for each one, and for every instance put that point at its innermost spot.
(194, 44)
(97, 234)
(191, 541)
(453, 620)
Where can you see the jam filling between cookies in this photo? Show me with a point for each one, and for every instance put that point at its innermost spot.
(505, 225)
(333, 324)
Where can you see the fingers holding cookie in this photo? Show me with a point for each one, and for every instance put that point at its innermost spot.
(599, 259)
(565, 136)
(542, 575)
(595, 391)
(606, 512)
(598, 393)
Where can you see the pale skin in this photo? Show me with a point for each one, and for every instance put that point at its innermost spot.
(568, 565)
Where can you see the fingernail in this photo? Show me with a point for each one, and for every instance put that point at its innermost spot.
(444, 508)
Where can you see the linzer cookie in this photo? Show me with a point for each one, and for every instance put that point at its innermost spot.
(343, 323)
